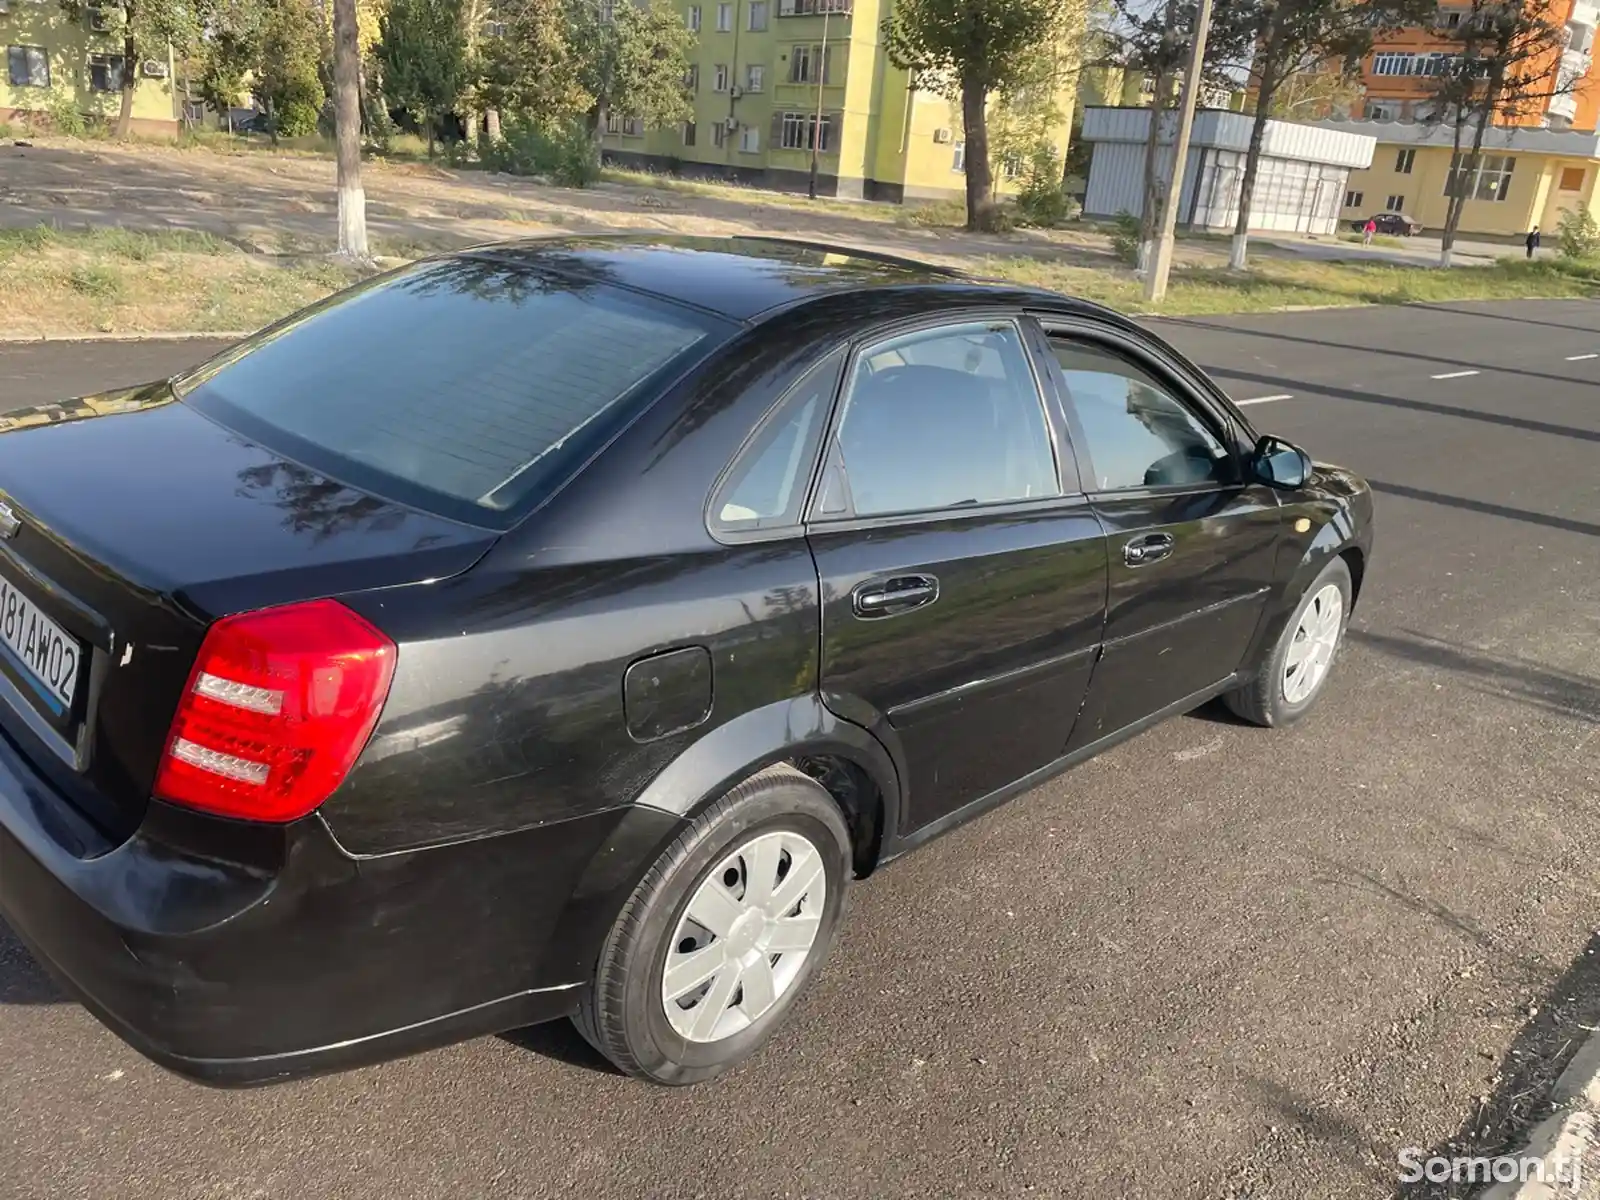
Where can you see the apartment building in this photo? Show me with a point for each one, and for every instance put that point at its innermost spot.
(1534, 168)
(773, 78)
(52, 59)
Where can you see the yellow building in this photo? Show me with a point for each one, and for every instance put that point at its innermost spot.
(763, 68)
(53, 61)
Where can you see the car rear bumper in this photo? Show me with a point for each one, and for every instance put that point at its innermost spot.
(237, 954)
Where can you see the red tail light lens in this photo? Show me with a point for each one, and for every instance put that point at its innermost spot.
(279, 705)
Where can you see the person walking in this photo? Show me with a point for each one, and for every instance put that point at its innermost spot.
(1367, 230)
(1533, 241)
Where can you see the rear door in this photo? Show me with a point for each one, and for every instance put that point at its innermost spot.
(963, 572)
(1191, 546)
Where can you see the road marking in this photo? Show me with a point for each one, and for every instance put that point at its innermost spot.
(1580, 357)
(1454, 375)
(1267, 399)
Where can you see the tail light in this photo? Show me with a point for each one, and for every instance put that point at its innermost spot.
(279, 705)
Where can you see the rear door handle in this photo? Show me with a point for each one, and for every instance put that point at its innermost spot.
(882, 598)
(1146, 549)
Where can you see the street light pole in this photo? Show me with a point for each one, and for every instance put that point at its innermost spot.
(1155, 280)
(822, 73)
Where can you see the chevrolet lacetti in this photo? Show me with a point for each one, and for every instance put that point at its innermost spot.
(558, 629)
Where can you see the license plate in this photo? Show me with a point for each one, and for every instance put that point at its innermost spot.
(47, 654)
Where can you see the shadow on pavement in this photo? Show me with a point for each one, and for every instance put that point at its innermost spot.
(22, 979)
(1559, 1023)
(1501, 316)
(561, 1041)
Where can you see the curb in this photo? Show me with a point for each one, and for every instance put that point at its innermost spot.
(220, 335)
(1563, 1137)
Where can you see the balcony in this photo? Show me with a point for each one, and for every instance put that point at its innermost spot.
(1564, 106)
(815, 8)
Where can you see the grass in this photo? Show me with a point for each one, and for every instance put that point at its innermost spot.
(742, 194)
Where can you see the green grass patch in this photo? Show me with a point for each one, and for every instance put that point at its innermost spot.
(97, 281)
(135, 245)
(1378, 239)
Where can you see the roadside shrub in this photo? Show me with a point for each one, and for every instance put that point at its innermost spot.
(297, 118)
(1125, 238)
(65, 117)
(564, 154)
(1042, 202)
(1580, 234)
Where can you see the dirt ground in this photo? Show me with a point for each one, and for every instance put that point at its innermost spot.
(284, 203)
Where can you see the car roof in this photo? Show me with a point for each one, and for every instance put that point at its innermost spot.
(740, 278)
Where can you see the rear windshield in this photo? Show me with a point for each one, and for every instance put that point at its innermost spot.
(466, 386)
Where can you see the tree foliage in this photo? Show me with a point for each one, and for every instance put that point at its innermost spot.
(631, 60)
(288, 71)
(423, 49)
(146, 29)
(529, 67)
(969, 50)
(1580, 234)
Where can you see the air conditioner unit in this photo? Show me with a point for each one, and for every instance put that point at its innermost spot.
(941, 136)
(152, 68)
(731, 125)
(736, 91)
(101, 21)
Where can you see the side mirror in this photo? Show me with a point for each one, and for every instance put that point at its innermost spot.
(1279, 464)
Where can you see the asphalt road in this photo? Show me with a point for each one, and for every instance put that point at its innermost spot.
(1216, 961)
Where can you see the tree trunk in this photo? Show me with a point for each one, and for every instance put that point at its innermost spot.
(432, 136)
(1266, 86)
(347, 130)
(130, 74)
(1150, 213)
(492, 124)
(980, 180)
(1466, 180)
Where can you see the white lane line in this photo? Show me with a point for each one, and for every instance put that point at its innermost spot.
(1267, 399)
(1580, 357)
(1454, 375)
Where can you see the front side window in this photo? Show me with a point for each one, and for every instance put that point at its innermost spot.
(1137, 434)
(465, 386)
(767, 485)
(944, 419)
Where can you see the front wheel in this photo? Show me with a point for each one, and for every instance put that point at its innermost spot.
(724, 932)
(1293, 676)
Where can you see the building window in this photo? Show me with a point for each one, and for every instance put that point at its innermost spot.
(757, 18)
(724, 18)
(688, 133)
(106, 72)
(1491, 182)
(1381, 112)
(754, 76)
(1392, 64)
(719, 77)
(691, 78)
(608, 11)
(29, 66)
(810, 64)
(719, 135)
(1404, 161)
(613, 122)
(1011, 165)
(694, 18)
(796, 131)
(958, 160)
(633, 127)
(806, 8)
(1354, 199)
(749, 140)
(1572, 179)
(1450, 20)
(1395, 203)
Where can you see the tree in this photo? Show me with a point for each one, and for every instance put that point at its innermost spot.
(423, 49)
(1506, 71)
(968, 50)
(229, 50)
(288, 82)
(1315, 95)
(1298, 37)
(631, 59)
(149, 29)
(347, 132)
(529, 67)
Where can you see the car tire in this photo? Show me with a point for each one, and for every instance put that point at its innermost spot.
(672, 1030)
(1289, 682)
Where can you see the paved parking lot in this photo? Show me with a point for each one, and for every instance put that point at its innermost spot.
(1216, 961)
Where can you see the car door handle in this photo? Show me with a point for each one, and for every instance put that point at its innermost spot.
(1146, 549)
(885, 597)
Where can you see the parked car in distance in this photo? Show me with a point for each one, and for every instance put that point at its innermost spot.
(559, 628)
(1393, 224)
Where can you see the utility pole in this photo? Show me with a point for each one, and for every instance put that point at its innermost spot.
(822, 76)
(1155, 280)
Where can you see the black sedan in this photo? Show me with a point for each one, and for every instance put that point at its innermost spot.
(558, 629)
(1393, 224)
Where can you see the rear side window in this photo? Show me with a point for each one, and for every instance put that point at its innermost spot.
(466, 386)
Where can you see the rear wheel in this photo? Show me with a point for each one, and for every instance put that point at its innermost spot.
(1294, 674)
(724, 932)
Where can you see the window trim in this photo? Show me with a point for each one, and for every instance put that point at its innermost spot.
(1045, 389)
(1188, 385)
(810, 473)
